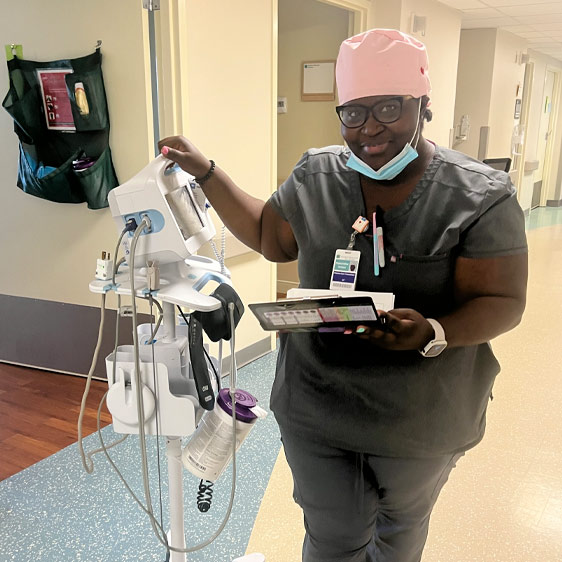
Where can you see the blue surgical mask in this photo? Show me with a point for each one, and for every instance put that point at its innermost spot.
(392, 168)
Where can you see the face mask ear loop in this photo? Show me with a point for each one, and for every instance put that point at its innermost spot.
(416, 131)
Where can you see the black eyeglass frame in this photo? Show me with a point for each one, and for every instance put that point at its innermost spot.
(370, 109)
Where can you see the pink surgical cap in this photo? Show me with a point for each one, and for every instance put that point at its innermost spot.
(381, 62)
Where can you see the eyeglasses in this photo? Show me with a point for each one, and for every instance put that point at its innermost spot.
(385, 111)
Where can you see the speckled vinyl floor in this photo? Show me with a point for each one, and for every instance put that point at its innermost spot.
(503, 502)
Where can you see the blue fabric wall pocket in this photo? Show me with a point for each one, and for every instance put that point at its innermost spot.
(61, 119)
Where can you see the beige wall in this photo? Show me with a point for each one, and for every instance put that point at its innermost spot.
(49, 249)
(231, 85)
(490, 71)
(386, 14)
(442, 38)
(308, 31)
(474, 84)
(508, 74)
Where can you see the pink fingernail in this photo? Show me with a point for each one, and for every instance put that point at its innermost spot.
(165, 150)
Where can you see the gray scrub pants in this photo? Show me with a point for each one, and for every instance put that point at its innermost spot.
(363, 508)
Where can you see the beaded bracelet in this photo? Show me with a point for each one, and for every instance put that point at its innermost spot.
(202, 180)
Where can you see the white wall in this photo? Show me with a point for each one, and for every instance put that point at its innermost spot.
(49, 249)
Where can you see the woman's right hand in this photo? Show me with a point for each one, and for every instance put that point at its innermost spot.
(184, 153)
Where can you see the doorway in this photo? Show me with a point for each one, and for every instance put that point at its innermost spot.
(544, 147)
(308, 30)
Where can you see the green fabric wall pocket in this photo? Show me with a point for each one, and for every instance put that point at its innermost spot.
(61, 118)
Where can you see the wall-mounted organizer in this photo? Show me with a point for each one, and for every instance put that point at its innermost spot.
(60, 116)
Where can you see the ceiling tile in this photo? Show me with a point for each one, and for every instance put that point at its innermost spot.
(463, 4)
(487, 22)
(539, 18)
(481, 13)
(533, 9)
(502, 3)
(546, 27)
(542, 39)
(544, 45)
(539, 22)
(529, 34)
(517, 29)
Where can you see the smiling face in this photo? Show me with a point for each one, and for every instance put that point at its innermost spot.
(376, 142)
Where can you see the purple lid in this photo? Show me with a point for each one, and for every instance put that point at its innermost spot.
(244, 401)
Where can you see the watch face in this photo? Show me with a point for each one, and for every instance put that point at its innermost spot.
(435, 349)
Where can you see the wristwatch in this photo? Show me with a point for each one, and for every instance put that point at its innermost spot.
(438, 343)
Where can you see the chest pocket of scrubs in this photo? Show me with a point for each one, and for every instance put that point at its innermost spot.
(424, 283)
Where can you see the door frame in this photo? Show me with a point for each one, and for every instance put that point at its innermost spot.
(358, 20)
(549, 173)
(358, 8)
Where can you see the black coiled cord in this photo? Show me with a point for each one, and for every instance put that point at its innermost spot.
(204, 495)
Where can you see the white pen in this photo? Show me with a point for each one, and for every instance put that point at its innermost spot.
(381, 246)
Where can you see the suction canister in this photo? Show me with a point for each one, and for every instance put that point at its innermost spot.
(209, 451)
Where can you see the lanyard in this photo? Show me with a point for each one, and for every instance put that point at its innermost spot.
(360, 226)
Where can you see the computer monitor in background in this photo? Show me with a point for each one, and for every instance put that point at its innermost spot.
(503, 164)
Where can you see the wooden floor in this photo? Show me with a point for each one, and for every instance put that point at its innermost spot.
(39, 414)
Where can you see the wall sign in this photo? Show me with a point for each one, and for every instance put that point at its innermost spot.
(318, 81)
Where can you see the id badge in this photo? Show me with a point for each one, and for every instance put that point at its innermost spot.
(344, 271)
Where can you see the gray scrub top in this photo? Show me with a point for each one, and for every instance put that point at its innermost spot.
(349, 393)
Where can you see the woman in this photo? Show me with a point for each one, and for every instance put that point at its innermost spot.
(373, 422)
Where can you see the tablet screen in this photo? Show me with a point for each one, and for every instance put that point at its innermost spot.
(323, 314)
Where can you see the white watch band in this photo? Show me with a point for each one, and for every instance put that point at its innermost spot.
(438, 343)
(438, 329)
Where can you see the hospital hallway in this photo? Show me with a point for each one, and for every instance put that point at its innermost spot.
(503, 502)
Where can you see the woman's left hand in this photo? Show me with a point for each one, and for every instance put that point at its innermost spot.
(406, 329)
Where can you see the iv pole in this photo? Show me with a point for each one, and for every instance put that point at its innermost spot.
(151, 6)
(173, 444)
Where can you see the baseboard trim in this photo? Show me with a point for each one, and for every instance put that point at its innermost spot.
(61, 337)
(57, 336)
(284, 286)
(247, 355)
(554, 203)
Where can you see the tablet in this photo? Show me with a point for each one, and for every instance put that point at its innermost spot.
(327, 314)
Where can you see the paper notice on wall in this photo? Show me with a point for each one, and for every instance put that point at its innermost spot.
(56, 102)
(318, 77)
